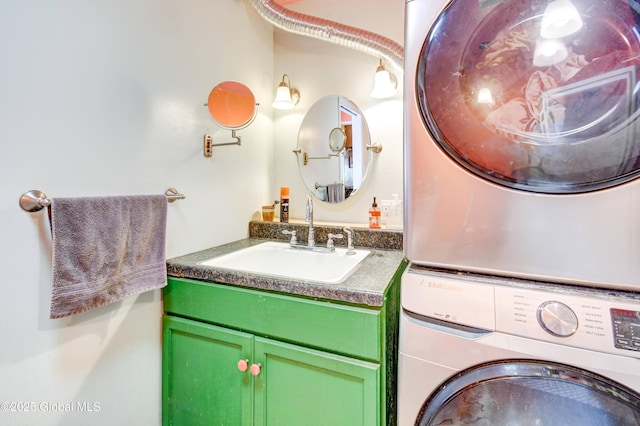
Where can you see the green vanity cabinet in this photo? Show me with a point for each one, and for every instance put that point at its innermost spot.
(305, 361)
(201, 383)
(300, 386)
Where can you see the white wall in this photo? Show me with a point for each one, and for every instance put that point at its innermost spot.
(317, 68)
(106, 98)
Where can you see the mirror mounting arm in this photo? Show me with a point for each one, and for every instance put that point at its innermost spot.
(306, 158)
(375, 147)
(208, 143)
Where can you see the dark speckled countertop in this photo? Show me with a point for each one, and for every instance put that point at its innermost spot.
(363, 237)
(365, 286)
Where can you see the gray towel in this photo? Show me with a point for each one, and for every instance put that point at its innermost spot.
(106, 249)
(336, 192)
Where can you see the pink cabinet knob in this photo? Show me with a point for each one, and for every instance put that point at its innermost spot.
(243, 364)
(255, 369)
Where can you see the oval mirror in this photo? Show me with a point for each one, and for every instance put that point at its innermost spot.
(232, 105)
(337, 139)
(333, 158)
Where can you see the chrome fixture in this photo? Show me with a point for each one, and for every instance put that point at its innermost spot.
(384, 84)
(349, 231)
(208, 143)
(34, 200)
(330, 238)
(329, 248)
(311, 238)
(311, 244)
(375, 147)
(293, 239)
(286, 97)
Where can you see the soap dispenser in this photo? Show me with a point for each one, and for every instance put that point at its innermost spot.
(374, 215)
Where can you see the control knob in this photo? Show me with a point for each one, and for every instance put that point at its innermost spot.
(557, 319)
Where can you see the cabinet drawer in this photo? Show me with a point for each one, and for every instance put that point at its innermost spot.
(342, 329)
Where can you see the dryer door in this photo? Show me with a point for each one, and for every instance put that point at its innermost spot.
(536, 95)
(527, 392)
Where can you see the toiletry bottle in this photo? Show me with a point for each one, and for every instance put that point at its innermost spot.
(374, 215)
(284, 204)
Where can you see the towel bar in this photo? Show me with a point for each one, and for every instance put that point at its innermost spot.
(35, 200)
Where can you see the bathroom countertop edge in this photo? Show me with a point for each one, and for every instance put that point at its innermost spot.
(366, 285)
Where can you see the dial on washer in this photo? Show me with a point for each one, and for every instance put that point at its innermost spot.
(557, 319)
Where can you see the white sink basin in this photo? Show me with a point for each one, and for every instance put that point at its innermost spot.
(278, 259)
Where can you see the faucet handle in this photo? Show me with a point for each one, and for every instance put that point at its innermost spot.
(293, 240)
(330, 237)
(349, 231)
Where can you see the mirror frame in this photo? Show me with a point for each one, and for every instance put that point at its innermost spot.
(322, 122)
(232, 105)
(337, 139)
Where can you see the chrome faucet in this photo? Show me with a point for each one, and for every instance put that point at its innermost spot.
(311, 239)
(349, 231)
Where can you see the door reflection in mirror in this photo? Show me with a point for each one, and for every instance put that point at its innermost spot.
(332, 154)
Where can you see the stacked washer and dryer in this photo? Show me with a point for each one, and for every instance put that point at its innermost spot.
(521, 305)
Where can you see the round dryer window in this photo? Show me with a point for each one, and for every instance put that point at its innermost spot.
(528, 392)
(536, 95)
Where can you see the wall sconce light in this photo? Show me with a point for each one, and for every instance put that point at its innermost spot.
(560, 19)
(286, 97)
(385, 83)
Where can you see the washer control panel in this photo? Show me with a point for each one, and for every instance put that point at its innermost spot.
(626, 329)
(601, 320)
(606, 324)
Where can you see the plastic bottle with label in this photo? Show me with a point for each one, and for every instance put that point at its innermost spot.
(284, 204)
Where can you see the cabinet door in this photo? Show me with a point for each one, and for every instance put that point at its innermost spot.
(299, 386)
(202, 384)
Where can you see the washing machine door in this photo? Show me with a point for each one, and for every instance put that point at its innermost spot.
(535, 95)
(528, 392)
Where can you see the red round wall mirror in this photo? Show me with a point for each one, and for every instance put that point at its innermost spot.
(232, 105)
